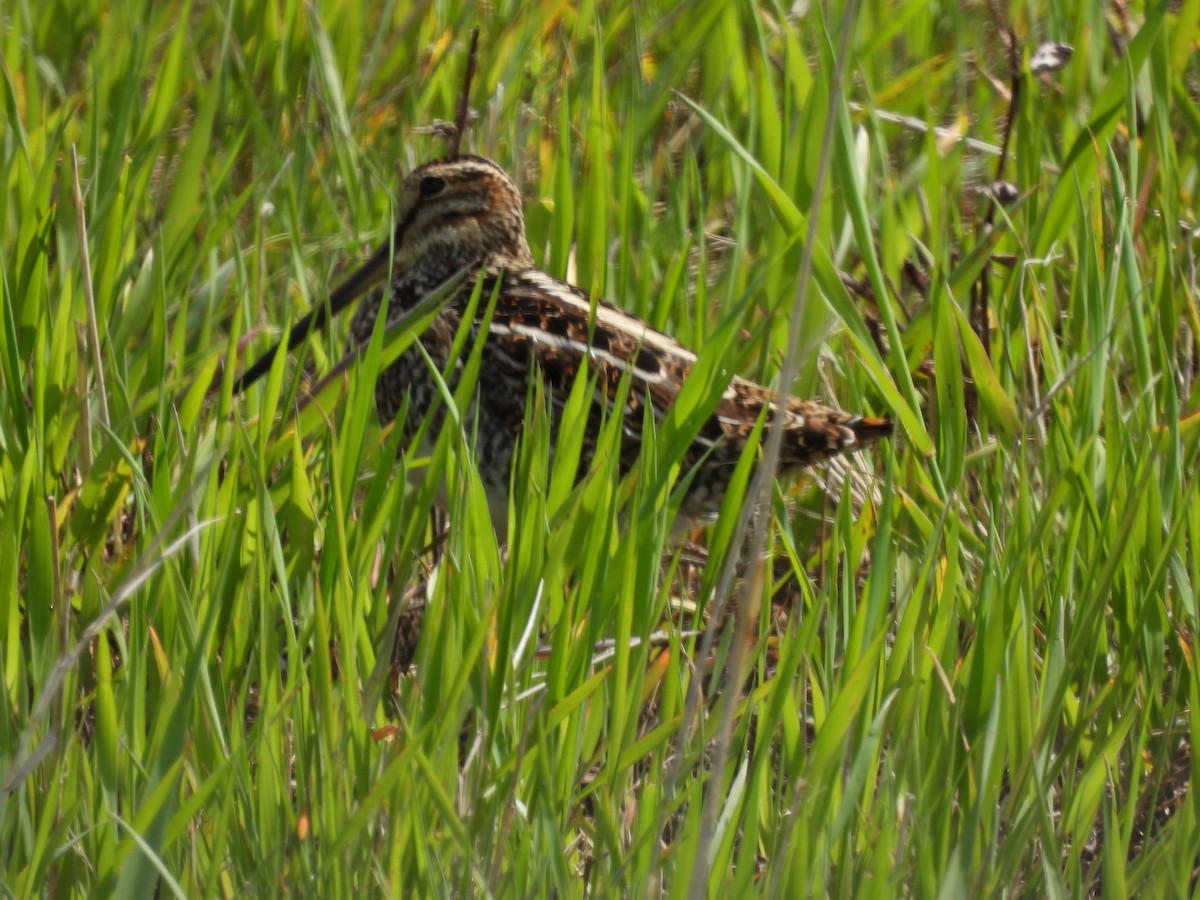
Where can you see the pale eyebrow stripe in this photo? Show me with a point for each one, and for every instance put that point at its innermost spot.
(609, 315)
(569, 343)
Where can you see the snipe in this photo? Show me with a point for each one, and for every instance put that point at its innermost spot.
(465, 211)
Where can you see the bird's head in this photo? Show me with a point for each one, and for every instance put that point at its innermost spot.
(459, 210)
(450, 214)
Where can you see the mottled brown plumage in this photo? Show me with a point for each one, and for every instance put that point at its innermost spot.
(466, 212)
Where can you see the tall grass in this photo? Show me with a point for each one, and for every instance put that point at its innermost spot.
(974, 662)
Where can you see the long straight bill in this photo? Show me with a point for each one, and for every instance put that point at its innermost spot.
(360, 281)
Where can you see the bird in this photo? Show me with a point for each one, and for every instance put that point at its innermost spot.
(464, 213)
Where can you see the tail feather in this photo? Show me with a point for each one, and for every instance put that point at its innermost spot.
(868, 430)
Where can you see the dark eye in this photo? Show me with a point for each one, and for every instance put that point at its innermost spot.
(431, 185)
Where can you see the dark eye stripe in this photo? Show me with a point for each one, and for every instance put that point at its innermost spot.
(431, 185)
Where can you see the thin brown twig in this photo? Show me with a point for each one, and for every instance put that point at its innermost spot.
(981, 292)
(460, 113)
